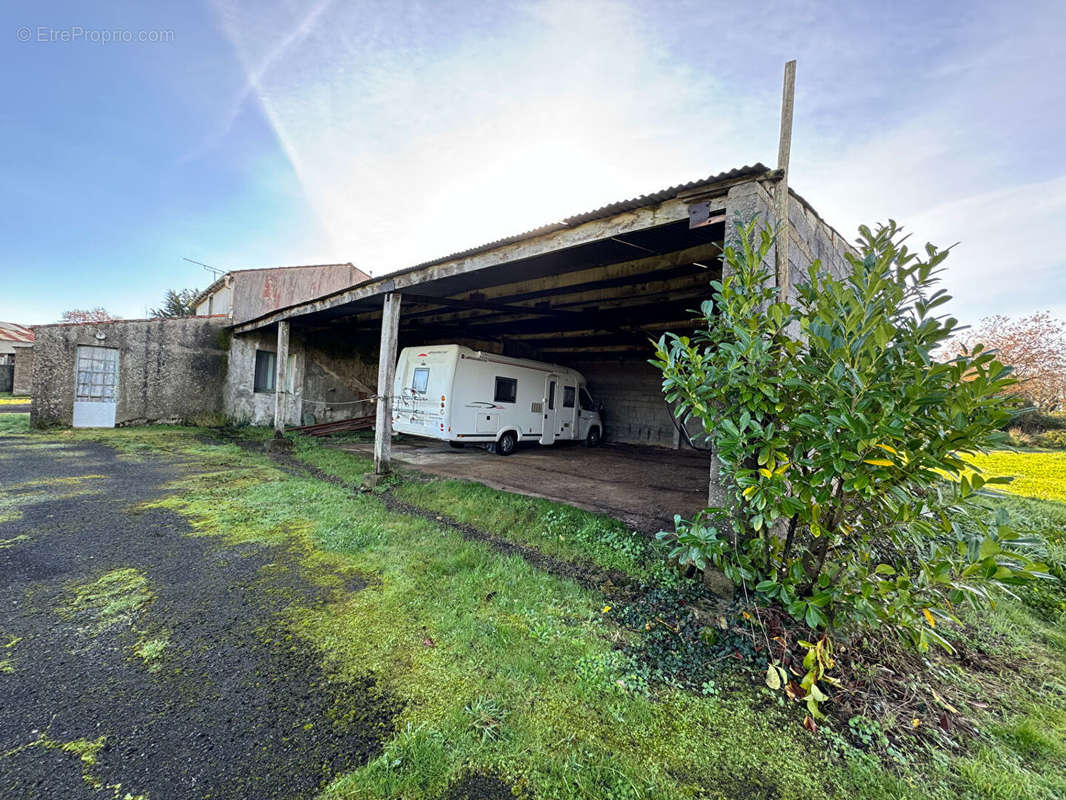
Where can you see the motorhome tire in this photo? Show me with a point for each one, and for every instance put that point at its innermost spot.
(593, 438)
(505, 445)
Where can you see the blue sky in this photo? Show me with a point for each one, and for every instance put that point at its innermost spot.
(387, 133)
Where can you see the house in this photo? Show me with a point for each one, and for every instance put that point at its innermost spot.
(16, 358)
(247, 293)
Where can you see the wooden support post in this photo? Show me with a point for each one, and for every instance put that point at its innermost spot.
(390, 326)
(784, 151)
(281, 379)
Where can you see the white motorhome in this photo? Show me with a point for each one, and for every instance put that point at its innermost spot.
(460, 396)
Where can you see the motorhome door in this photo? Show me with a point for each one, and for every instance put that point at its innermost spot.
(551, 391)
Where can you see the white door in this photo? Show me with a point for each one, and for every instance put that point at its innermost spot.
(551, 391)
(96, 387)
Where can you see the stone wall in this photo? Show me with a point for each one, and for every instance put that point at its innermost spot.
(170, 370)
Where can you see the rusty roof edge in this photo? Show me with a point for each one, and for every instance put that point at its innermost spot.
(756, 170)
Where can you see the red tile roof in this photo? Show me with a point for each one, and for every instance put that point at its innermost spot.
(10, 332)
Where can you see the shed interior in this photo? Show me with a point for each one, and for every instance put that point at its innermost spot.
(593, 307)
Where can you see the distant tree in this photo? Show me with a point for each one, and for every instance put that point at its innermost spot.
(176, 304)
(75, 315)
(1035, 346)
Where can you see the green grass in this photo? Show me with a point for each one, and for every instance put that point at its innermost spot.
(1037, 474)
(498, 667)
(562, 531)
(14, 424)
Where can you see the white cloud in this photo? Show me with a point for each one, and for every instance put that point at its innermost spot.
(415, 134)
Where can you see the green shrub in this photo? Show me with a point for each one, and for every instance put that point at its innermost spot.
(1052, 440)
(1031, 421)
(842, 443)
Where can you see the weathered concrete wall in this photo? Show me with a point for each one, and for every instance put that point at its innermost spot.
(338, 372)
(241, 403)
(170, 370)
(634, 406)
(256, 292)
(810, 237)
(329, 373)
(23, 369)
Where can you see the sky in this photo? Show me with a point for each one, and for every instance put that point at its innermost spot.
(250, 134)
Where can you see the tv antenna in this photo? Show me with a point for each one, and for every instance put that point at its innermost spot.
(213, 270)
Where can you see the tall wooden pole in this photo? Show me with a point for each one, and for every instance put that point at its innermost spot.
(784, 151)
(390, 328)
(281, 378)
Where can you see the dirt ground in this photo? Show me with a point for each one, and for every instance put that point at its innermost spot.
(642, 486)
(232, 708)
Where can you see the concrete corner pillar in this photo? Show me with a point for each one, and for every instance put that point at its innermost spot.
(281, 379)
(390, 328)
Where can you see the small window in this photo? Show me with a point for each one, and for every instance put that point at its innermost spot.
(568, 396)
(586, 401)
(97, 374)
(420, 381)
(506, 390)
(551, 395)
(265, 367)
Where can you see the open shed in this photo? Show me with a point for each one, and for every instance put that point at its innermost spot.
(587, 292)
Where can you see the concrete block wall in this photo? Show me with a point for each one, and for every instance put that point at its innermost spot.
(635, 409)
(810, 237)
(170, 370)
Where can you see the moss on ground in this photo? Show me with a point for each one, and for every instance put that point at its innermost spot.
(506, 670)
(112, 599)
(86, 750)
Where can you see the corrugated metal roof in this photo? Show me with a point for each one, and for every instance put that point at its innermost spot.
(755, 170)
(12, 332)
(618, 207)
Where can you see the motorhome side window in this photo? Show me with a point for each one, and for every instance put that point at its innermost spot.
(506, 390)
(568, 397)
(420, 380)
(586, 401)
